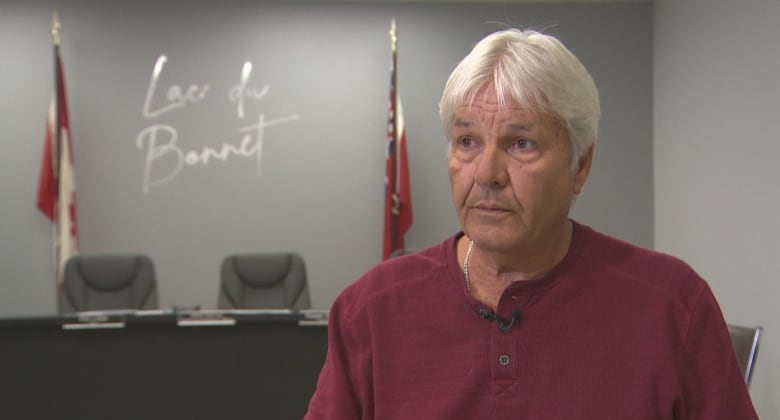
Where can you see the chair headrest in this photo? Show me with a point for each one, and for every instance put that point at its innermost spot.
(109, 273)
(262, 270)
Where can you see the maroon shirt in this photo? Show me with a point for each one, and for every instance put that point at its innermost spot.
(613, 332)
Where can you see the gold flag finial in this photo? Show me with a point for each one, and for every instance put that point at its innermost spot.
(55, 28)
(393, 36)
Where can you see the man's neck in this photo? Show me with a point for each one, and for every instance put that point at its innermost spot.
(490, 273)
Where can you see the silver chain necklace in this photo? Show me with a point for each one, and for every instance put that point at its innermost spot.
(466, 266)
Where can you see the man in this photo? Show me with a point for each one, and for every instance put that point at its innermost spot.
(526, 314)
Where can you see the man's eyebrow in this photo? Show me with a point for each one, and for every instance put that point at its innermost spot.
(462, 123)
(520, 126)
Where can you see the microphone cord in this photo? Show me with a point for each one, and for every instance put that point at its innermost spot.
(504, 324)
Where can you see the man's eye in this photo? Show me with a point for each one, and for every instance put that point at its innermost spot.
(465, 141)
(523, 144)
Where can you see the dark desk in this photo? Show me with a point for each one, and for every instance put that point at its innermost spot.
(264, 366)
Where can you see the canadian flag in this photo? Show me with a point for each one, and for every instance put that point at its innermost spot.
(56, 184)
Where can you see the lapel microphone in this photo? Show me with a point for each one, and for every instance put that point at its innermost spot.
(503, 324)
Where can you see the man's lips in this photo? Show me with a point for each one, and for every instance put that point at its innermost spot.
(491, 208)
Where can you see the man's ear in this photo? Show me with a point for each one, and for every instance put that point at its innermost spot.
(583, 169)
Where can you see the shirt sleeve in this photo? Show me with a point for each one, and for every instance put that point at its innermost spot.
(712, 381)
(344, 387)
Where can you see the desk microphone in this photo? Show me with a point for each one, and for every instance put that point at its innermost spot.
(503, 324)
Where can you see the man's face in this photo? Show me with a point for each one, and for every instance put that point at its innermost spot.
(511, 175)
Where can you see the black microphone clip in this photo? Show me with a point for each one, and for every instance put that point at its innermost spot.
(503, 324)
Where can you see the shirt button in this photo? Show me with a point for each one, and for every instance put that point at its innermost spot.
(503, 360)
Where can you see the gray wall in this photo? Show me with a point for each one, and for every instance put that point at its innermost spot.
(320, 187)
(717, 192)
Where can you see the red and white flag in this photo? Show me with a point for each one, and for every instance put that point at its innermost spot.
(398, 196)
(56, 184)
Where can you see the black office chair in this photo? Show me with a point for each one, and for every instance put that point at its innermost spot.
(108, 282)
(745, 341)
(398, 252)
(264, 280)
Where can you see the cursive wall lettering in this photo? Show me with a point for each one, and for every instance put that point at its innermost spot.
(177, 96)
(165, 158)
(240, 92)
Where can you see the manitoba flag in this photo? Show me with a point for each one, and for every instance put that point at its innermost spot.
(56, 184)
(398, 197)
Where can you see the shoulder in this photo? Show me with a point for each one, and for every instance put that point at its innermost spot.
(401, 280)
(649, 271)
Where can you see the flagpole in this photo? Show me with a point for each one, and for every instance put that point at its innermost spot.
(55, 34)
(394, 162)
(57, 144)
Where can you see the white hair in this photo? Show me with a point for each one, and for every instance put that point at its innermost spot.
(536, 71)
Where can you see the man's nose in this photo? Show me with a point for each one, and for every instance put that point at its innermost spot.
(492, 168)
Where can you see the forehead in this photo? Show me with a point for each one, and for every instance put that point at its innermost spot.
(485, 107)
